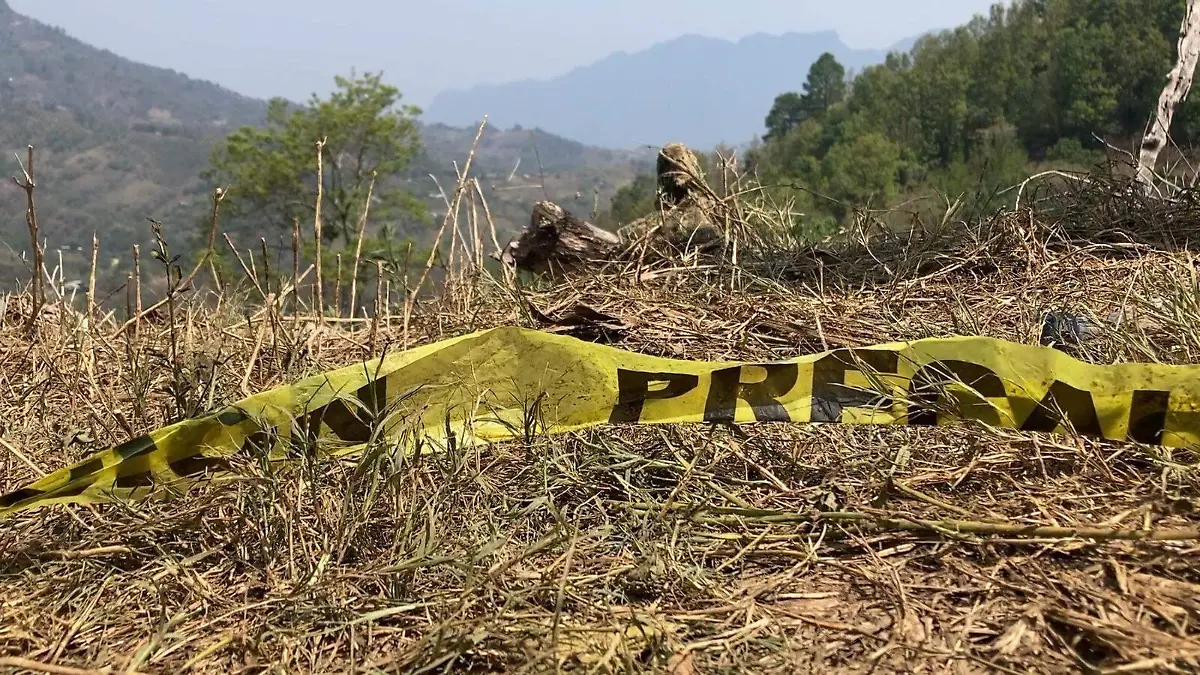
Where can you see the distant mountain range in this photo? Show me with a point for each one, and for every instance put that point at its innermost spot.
(698, 90)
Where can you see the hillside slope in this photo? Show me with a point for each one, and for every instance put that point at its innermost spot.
(118, 141)
(698, 90)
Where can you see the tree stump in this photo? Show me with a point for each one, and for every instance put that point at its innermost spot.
(557, 240)
(680, 178)
(687, 206)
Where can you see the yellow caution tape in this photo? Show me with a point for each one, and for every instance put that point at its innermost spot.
(507, 382)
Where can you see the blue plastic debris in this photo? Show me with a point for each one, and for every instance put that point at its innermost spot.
(1062, 328)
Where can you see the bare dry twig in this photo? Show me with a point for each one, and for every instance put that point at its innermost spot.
(28, 184)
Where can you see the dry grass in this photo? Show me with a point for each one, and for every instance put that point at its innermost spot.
(684, 549)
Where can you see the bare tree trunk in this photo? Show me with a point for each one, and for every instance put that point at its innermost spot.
(1179, 82)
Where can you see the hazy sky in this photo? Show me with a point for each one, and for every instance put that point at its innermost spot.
(295, 47)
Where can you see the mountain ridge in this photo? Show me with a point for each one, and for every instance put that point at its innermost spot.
(620, 100)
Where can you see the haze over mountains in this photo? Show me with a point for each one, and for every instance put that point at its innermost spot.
(698, 90)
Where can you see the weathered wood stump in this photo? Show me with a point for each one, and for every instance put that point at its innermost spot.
(686, 214)
(680, 178)
(557, 240)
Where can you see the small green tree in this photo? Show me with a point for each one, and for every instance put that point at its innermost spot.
(635, 200)
(861, 171)
(1090, 96)
(368, 136)
(786, 114)
(825, 86)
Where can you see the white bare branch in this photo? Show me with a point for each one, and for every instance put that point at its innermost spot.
(1179, 82)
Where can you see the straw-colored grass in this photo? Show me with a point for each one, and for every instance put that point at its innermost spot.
(684, 549)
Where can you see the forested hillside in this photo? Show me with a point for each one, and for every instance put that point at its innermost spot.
(971, 110)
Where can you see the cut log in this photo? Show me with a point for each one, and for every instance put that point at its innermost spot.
(556, 240)
(680, 178)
